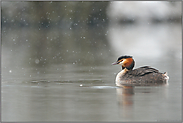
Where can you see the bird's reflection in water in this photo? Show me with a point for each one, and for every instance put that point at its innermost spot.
(125, 101)
(125, 95)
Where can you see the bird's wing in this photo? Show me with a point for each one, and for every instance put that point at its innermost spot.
(142, 71)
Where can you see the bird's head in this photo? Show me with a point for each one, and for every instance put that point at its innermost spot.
(125, 62)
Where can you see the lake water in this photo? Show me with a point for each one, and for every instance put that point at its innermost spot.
(70, 92)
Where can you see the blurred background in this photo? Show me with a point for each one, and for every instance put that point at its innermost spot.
(38, 34)
(76, 42)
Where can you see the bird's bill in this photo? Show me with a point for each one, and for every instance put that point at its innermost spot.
(115, 63)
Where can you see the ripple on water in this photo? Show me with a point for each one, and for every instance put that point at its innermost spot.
(91, 83)
(103, 87)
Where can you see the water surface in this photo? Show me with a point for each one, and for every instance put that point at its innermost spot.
(85, 93)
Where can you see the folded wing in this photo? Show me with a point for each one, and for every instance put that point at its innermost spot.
(142, 71)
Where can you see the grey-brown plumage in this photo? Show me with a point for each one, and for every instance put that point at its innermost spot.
(143, 76)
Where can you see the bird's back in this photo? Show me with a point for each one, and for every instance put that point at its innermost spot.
(143, 76)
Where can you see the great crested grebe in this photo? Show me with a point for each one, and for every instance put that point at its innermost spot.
(143, 76)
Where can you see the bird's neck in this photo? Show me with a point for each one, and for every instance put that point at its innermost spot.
(124, 71)
(120, 76)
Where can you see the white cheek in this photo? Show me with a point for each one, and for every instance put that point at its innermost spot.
(121, 63)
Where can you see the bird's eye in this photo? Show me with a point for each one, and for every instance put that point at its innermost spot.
(121, 60)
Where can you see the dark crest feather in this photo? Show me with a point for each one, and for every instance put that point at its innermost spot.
(124, 57)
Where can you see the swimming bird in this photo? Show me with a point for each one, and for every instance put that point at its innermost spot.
(143, 76)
